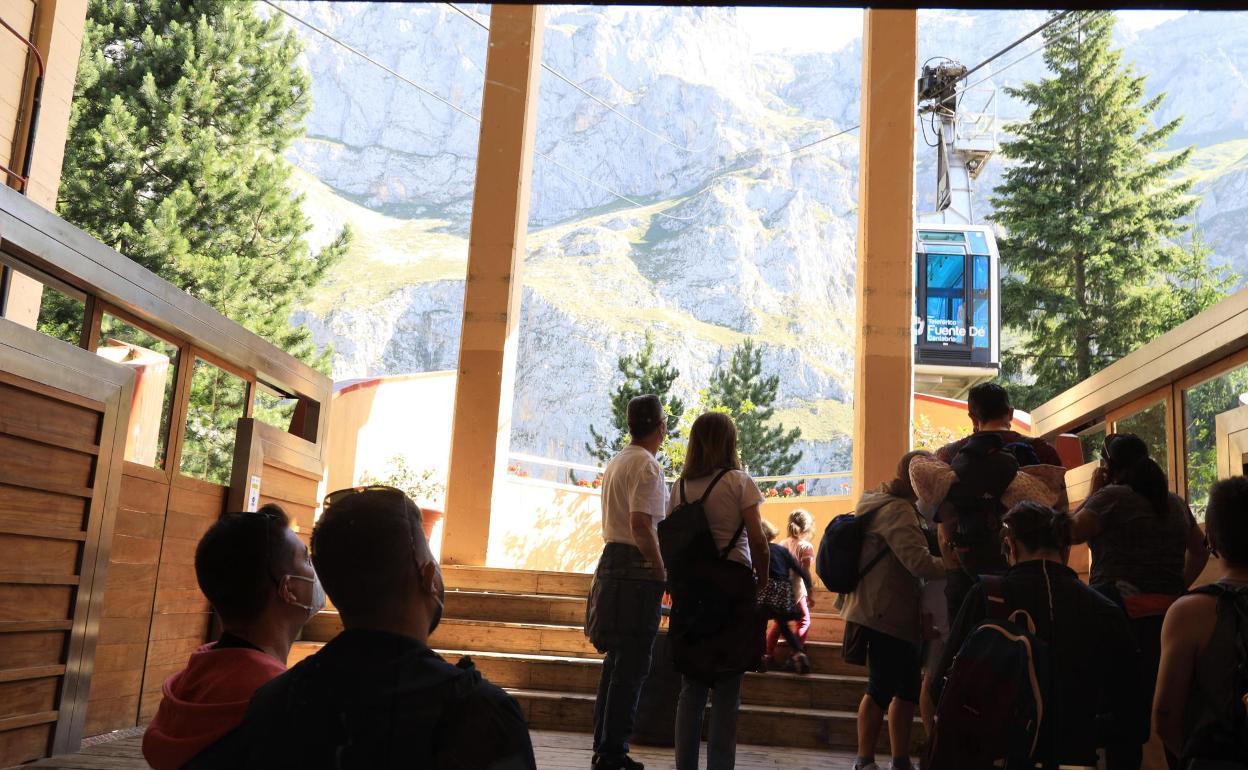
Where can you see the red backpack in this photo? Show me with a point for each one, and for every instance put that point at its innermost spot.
(993, 699)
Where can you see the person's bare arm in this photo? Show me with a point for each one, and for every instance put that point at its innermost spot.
(1180, 644)
(760, 555)
(807, 563)
(647, 542)
(944, 536)
(1197, 555)
(1084, 525)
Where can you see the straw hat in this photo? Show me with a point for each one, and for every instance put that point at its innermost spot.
(932, 479)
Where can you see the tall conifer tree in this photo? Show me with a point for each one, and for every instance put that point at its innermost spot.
(643, 374)
(1092, 217)
(748, 396)
(181, 113)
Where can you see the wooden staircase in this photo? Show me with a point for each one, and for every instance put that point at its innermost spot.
(524, 631)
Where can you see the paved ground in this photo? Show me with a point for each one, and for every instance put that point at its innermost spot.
(555, 751)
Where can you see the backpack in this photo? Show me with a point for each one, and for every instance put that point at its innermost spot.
(685, 538)
(714, 627)
(990, 710)
(840, 551)
(1227, 738)
(985, 466)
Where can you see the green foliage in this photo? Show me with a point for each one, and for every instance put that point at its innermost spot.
(181, 113)
(745, 394)
(929, 437)
(1201, 406)
(424, 487)
(643, 374)
(1091, 219)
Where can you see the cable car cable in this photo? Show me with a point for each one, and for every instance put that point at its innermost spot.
(1016, 43)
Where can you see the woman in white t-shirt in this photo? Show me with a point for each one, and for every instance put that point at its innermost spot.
(712, 469)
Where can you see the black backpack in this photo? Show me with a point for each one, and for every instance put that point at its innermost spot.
(985, 466)
(840, 551)
(993, 697)
(685, 538)
(1227, 738)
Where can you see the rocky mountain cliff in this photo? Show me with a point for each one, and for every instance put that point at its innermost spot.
(732, 234)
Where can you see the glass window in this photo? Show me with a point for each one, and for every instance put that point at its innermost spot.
(32, 299)
(155, 364)
(1201, 405)
(274, 407)
(1150, 425)
(1091, 440)
(946, 301)
(218, 400)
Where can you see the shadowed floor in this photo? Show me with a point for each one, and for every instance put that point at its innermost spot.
(555, 751)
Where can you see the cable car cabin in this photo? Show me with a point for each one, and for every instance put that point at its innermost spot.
(957, 308)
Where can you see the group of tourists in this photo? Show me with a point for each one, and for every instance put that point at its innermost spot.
(958, 600)
(955, 594)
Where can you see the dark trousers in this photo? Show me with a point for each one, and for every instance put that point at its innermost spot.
(1147, 633)
(622, 622)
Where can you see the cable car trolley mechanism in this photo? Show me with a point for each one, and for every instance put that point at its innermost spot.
(957, 275)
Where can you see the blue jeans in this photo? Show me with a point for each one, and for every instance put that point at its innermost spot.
(721, 745)
(622, 620)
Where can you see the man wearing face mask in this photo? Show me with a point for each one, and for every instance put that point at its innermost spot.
(258, 577)
(376, 696)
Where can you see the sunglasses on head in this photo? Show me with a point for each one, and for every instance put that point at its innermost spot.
(1109, 439)
(377, 490)
(381, 492)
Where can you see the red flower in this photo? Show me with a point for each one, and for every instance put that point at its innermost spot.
(787, 492)
(801, 487)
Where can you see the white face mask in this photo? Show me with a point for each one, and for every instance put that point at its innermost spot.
(318, 594)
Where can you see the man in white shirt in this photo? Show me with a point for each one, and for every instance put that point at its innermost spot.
(622, 615)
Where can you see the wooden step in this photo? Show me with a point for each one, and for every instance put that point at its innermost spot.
(580, 675)
(480, 636)
(759, 725)
(516, 581)
(515, 608)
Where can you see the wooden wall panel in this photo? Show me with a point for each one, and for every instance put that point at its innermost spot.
(49, 449)
(180, 613)
(129, 594)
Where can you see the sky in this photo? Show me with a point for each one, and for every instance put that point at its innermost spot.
(829, 29)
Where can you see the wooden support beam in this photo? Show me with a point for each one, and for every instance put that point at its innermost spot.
(481, 430)
(883, 379)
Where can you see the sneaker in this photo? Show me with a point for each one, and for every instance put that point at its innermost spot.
(801, 663)
(868, 766)
(618, 763)
(768, 663)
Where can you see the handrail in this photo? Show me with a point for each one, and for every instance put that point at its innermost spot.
(23, 178)
(791, 480)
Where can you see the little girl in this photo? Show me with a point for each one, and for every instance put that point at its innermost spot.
(800, 530)
(789, 579)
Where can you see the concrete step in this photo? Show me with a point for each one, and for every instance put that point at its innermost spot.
(760, 725)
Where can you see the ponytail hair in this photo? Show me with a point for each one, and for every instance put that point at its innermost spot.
(800, 522)
(1038, 527)
(1126, 457)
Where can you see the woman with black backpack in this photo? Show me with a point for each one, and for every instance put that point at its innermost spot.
(1146, 550)
(716, 631)
(1201, 708)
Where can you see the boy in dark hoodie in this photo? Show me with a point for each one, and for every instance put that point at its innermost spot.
(258, 576)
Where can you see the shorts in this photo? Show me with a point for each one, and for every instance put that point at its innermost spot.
(893, 669)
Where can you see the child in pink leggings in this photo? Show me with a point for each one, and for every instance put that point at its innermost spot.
(800, 529)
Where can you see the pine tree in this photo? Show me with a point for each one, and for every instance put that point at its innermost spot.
(643, 374)
(1091, 217)
(181, 113)
(741, 388)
